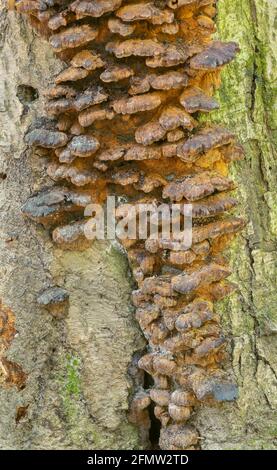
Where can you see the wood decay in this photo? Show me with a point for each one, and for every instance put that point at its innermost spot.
(122, 119)
(11, 373)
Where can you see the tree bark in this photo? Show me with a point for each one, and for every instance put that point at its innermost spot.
(77, 386)
(248, 101)
(77, 383)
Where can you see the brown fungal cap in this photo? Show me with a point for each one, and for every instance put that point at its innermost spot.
(146, 315)
(58, 20)
(161, 397)
(53, 295)
(148, 183)
(60, 91)
(216, 229)
(75, 36)
(173, 117)
(139, 85)
(182, 398)
(140, 152)
(164, 365)
(208, 345)
(171, 28)
(185, 283)
(150, 133)
(88, 60)
(182, 257)
(136, 47)
(170, 54)
(162, 415)
(71, 74)
(125, 176)
(64, 155)
(72, 174)
(175, 135)
(55, 299)
(214, 55)
(198, 186)
(83, 145)
(206, 23)
(212, 206)
(57, 107)
(111, 154)
(50, 202)
(233, 153)
(94, 8)
(69, 234)
(179, 414)
(194, 315)
(145, 11)
(174, 4)
(46, 138)
(90, 97)
(95, 113)
(193, 99)
(137, 103)
(216, 387)
(204, 141)
(157, 285)
(116, 73)
(118, 27)
(168, 80)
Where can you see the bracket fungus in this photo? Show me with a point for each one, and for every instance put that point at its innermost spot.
(150, 67)
(55, 300)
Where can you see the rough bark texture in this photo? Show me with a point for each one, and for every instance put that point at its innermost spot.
(78, 387)
(77, 393)
(248, 105)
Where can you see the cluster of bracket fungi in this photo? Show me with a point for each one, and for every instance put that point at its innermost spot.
(121, 118)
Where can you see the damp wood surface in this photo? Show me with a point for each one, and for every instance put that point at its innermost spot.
(176, 290)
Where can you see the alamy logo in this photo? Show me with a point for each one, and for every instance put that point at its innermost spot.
(141, 221)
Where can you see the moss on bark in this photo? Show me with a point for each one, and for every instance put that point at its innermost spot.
(248, 99)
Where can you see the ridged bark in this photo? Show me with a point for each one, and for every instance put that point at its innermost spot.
(248, 99)
(64, 372)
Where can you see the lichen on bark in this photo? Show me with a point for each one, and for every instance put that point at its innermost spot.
(248, 99)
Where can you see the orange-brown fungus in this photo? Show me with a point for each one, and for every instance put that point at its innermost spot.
(11, 373)
(122, 120)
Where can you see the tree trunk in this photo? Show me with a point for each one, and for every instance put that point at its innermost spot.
(68, 385)
(248, 101)
(77, 382)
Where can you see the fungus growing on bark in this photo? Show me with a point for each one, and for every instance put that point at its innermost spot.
(151, 85)
(116, 73)
(215, 55)
(94, 8)
(46, 138)
(197, 186)
(88, 60)
(137, 103)
(55, 299)
(73, 37)
(118, 27)
(194, 99)
(11, 373)
(145, 11)
(205, 140)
